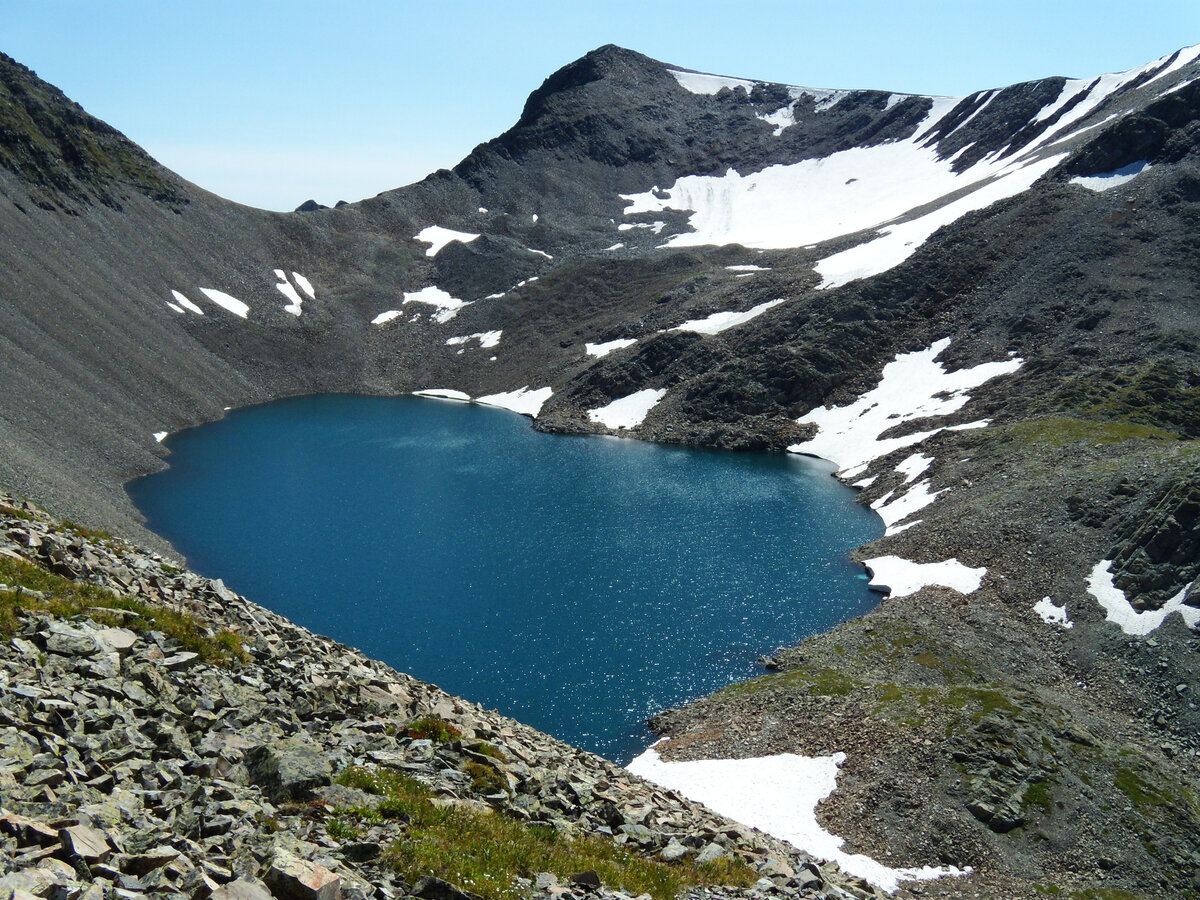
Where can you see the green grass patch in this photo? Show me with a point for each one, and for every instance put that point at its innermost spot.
(485, 749)
(485, 779)
(67, 598)
(99, 535)
(824, 682)
(6, 510)
(1160, 394)
(432, 728)
(1060, 432)
(1038, 794)
(1140, 792)
(341, 830)
(486, 852)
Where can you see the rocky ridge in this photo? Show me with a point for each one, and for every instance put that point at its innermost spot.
(132, 767)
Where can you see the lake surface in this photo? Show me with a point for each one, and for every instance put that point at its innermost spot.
(579, 584)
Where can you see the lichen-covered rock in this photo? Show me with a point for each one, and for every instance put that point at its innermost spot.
(292, 878)
(290, 769)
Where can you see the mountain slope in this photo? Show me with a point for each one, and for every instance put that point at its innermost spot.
(743, 259)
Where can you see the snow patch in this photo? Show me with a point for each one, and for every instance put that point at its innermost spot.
(721, 321)
(186, 303)
(285, 287)
(702, 83)
(991, 95)
(305, 285)
(1051, 614)
(522, 400)
(853, 190)
(385, 316)
(912, 386)
(1179, 87)
(826, 99)
(485, 338)
(438, 237)
(747, 268)
(1118, 609)
(1186, 56)
(616, 246)
(914, 466)
(784, 117)
(598, 350)
(1094, 91)
(1108, 180)
(898, 242)
(443, 394)
(898, 577)
(160, 436)
(778, 795)
(447, 306)
(627, 412)
(904, 506)
(656, 227)
(176, 307)
(225, 301)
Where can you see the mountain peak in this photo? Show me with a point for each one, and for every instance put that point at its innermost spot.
(608, 62)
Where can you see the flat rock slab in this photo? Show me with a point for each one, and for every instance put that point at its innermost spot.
(293, 878)
(67, 641)
(430, 888)
(116, 639)
(241, 889)
(85, 842)
(28, 832)
(142, 863)
(290, 769)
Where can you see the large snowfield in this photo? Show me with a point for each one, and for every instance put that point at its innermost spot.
(902, 190)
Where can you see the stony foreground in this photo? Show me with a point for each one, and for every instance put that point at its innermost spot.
(131, 766)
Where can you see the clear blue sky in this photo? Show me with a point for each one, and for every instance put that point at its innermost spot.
(270, 103)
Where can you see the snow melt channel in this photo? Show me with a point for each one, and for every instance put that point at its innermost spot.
(778, 795)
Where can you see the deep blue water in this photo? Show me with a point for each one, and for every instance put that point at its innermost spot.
(579, 584)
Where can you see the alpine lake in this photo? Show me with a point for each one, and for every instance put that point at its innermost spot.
(578, 584)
